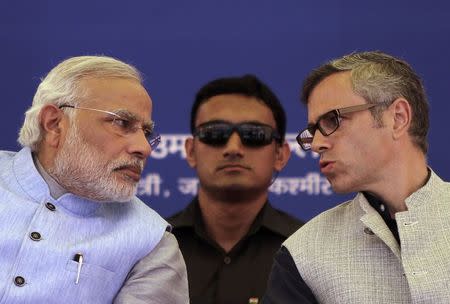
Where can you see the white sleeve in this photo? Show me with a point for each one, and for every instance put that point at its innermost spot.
(159, 278)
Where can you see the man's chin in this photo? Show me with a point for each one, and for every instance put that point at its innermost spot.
(340, 188)
(124, 195)
(115, 199)
(233, 187)
(235, 192)
(128, 196)
(124, 200)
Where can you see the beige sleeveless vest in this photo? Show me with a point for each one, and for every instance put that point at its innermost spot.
(348, 254)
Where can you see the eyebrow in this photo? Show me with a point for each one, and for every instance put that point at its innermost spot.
(149, 125)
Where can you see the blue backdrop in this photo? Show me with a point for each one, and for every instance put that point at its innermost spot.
(181, 45)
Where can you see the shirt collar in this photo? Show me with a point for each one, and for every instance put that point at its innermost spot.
(383, 209)
(55, 189)
(378, 205)
(426, 192)
(268, 218)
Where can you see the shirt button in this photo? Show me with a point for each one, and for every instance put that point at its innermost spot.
(227, 260)
(19, 281)
(368, 231)
(50, 206)
(35, 236)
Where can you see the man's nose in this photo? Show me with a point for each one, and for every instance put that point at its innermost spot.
(234, 146)
(140, 145)
(320, 142)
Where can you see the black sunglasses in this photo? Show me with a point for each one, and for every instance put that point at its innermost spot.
(217, 133)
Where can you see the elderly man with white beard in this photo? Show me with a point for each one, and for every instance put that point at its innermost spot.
(72, 229)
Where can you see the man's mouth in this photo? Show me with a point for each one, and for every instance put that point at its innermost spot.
(233, 167)
(326, 166)
(131, 172)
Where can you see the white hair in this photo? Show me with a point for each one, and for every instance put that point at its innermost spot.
(62, 86)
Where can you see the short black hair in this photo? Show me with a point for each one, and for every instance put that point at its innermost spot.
(247, 85)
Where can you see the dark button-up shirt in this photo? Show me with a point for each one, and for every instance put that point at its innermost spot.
(234, 277)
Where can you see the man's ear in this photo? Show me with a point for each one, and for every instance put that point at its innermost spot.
(190, 155)
(402, 115)
(283, 153)
(50, 120)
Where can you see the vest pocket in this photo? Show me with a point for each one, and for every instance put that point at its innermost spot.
(94, 282)
(89, 270)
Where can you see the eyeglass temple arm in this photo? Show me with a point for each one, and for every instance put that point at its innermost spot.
(361, 107)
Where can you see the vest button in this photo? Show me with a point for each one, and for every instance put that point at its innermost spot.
(50, 206)
(368, 231)
(35, 236)
(227, 260)
(19, 281)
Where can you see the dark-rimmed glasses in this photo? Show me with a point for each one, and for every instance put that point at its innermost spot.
(125, 123)
(217, 133)
(328, 123)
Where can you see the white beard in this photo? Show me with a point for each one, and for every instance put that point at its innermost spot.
(80, 168)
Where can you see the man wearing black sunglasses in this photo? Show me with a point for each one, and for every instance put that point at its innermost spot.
(229, 233)
(368, 120)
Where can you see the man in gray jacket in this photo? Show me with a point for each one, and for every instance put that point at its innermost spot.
(368, 120)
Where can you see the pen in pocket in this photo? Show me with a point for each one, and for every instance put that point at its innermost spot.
(79, 259)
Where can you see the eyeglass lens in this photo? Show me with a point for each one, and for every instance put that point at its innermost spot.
(124, 124)
(327, 124)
